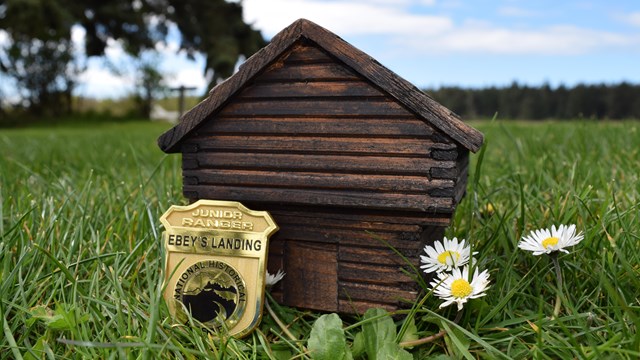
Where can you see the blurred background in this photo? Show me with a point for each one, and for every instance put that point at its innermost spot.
(526, 60)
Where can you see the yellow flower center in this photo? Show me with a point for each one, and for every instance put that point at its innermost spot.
(552, 241)
(461, 288)
(454, 255)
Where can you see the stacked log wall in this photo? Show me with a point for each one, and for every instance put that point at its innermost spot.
(342, 167)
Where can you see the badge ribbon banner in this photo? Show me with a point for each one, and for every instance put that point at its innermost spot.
(215, 263)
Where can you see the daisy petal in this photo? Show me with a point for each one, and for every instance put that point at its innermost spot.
(546, 241)
(455, 287)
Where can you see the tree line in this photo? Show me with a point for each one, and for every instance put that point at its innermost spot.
(598, 101)
(45, 63)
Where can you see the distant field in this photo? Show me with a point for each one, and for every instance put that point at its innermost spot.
(124, 106)
(80, 254)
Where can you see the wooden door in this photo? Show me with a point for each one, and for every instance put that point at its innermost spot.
(312, 275)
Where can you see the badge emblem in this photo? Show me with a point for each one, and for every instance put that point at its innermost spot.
(215, 264)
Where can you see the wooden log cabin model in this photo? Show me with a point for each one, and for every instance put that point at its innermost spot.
(349, 159)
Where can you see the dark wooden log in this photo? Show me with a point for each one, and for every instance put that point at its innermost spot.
(439, 154)
(461, 189)
(314, 180)
(344, 198)
(325, 163)
(310, 89)
(337, 221)
(362, 216)
(376, 255)
(328, 107)
(405, 242)
(316, 144)
(309, 72)
(306, 53)
(452, 172)
(398, 127)
(372, 273)
(382, 293)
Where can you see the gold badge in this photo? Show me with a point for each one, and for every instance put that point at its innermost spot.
(215, 263)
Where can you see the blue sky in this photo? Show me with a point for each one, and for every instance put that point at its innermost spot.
(479, 43)
(435, 43)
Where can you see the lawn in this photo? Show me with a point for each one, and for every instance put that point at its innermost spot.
(81, 258)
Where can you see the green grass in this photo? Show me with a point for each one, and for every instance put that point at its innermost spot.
(80, 254)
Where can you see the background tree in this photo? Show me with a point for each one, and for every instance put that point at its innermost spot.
(215, 28)
(40, 69)
(150, 86)
(41, 29)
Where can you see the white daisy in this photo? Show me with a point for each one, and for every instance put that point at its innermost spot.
(456, 288)
(274, 279)
(445, 255)
(546, 241)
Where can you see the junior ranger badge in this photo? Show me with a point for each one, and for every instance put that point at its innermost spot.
(215, 264)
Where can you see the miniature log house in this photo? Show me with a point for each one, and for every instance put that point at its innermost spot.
(342, 152)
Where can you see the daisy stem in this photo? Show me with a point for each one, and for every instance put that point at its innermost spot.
(556, 266)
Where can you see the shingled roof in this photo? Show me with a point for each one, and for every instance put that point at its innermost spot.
(398, 88)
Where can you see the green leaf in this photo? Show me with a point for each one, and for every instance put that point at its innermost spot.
(37, 351)
(60, 319)
(378, 329)
(431, 320)
(327, 340)
(411, 332)
(282, 354)
(439, 357)
(358, 347)
(39, 312)
(393, 351)
(457, 342)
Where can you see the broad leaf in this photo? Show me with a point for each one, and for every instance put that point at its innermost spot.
(327, 340)
(37, 351)
(358, 347)
(411, 332)
(393, 351)
(60, 319)
(378, 329)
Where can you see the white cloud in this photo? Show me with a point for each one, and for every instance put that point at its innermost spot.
(189, 77)
(514, 11)
(397, 27)
(555, 40)
(344, 18)
(99, 82)
(632, 19)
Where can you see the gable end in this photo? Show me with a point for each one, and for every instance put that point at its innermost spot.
(401, 90)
